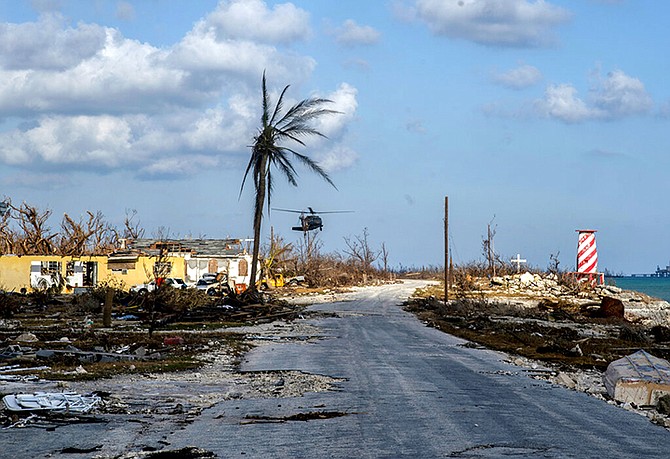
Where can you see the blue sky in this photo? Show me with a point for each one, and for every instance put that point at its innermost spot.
(541, 117)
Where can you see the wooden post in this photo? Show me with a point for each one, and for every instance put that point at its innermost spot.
(107, 309)
(446, 249)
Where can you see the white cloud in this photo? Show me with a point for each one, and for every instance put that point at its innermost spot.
(352, 34)
(253, 20)
(507, 23)
(84, 141)
(345, 103)
(121, 75)
(561, 102)
(521, 77)
(210, 59)
(336, 159)
(331, 153)
(48, 44)
(223, 128)
(621, 95)
(616, 96)
(87, 98)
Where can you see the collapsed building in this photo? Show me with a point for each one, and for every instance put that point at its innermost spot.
(135, 262)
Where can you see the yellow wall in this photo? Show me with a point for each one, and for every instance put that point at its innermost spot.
(15, 270)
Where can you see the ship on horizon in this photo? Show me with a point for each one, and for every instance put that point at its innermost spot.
(660, 272)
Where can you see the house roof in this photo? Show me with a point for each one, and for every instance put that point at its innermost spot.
(196, 247)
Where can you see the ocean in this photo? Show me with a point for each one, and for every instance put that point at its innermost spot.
(658, 287)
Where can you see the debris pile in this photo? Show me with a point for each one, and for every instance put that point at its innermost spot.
(640, 378)
(62, 402)
(528, 290)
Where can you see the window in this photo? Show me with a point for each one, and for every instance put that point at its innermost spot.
(50, 267)
(162, 268)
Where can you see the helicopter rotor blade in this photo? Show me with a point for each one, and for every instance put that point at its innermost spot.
(289, 210)
(311, 210)
(337, 212)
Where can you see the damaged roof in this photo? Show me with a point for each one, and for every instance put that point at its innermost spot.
(196, 247)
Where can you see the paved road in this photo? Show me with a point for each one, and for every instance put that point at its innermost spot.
(406, 390)
(412, 391)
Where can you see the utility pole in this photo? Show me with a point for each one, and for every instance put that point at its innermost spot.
(446, 249)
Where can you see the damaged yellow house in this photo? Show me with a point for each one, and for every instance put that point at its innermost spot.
(30, 272)
(135, 264)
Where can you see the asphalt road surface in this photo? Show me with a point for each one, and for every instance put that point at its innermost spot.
(412, 391)
(406, 390)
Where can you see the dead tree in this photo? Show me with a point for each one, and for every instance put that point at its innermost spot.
(309, 261)
(36, 236)
(132, 228)
(361, 253)
(384, 256)
(493, 259)
(8, 235)
(93, 236)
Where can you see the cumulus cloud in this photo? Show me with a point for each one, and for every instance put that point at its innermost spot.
(253, 20)
(506, 23)
(335, 159)
(621, 95)
(615, 96)
(352, 34)
(48, 44)
(88, 98)
(519, 78)
(118, 75)
(345, 103)
(86, 140)
(561, 102)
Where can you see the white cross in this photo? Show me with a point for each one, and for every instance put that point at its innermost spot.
(518, 260)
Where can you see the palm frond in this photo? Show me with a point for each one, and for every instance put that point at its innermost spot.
(268, 152)
(278, 106)
(266, 104)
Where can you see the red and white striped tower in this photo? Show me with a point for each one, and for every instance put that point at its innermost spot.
(587, 255)
(587, 258)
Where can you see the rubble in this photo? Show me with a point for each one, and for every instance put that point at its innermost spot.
(639, 378)
(95, 356)
(64, 402)
(527, 289)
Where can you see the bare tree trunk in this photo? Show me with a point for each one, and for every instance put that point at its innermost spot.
(258, 218)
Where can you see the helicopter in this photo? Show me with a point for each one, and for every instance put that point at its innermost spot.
(309, 220)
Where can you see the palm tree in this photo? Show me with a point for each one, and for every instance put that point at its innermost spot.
(268, 151)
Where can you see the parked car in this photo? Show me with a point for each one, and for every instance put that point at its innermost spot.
(213, 284)
(174, 282)
(295, 281)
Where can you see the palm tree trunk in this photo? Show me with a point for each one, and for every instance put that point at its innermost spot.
(258, 218)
